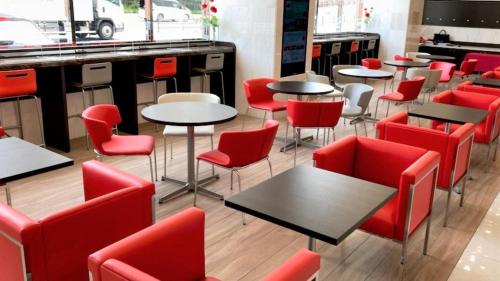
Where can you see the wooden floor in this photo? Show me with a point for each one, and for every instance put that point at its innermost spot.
(237, 252)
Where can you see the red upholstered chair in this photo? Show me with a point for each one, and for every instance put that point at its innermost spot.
(173, 249)
(372, 63)
(353, 49)
(492, 74)
(100, 120)
(56, 248)
(410, 170)
(448, 69)
(454, 148)
(238, 150)
(163, 69)
(487, 131)
(401, 58)
(468, 86)
(466, 68)
(307, 115)
(261, 98)
(407, 92)
(316, 55)
(2, 132)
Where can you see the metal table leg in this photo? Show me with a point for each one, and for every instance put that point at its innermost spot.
(312, 244)
(7, 193)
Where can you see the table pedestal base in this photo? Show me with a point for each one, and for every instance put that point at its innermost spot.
(303, 142)
(186, 187)
(7, 193)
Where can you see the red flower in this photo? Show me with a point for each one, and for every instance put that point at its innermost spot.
(213, 9)
(367, 15)
(204, 6)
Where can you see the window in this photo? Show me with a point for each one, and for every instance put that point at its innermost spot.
(176, 19)
(338, 15)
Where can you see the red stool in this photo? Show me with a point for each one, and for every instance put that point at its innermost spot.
(372, 63)
(316, 55)
(164, 69)
(353, 50)
(17, 85)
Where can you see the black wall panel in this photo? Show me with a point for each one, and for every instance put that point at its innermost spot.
(481, 14)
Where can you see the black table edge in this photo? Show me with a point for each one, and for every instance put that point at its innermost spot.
(39, 171)
(366, 77)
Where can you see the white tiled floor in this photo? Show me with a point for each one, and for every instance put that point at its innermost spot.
(481, 259)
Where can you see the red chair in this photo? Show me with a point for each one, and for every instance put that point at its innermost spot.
(372, 63)
(56, 248)
(492, 74)
(455, 149)
(468, 86)
(307, 115)
(2, 132)
(407, 92)
(316, 55)
(174, 249)
(448, 69)
(466, 68)
(163, 70)
(401, 58)
(17, 85)
(100, 120)
(411, 170)
(353, 49)
(487, 131)
(261, 98)
(238, 150)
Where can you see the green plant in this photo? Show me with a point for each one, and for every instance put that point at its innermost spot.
(131, 7)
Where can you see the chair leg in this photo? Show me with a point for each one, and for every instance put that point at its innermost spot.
(244, 118)
(264, 119)
(164, 156)
(40, 120)
(112, 97)
(151, 168)
(286, 137)
(175, 84)
(366, 131)
(356, 129)
(495, 150)
(212, 148)
(295, 135)
(232, 175)
(387, 111)
(171, 147)
(196, 181)
(376, 109)
(19, 118)
(462, 195)
(203, 83)
(270, 167)
(243, 220)
(222, 86)
(448, 198)
(156, 165)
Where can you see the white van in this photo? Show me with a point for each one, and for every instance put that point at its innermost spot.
(170, 10)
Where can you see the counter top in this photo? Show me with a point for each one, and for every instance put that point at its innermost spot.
(344, 37)
(461, 47)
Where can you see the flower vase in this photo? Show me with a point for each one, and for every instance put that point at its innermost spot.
(214, 35)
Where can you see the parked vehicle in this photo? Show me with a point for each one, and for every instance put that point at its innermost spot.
(170, 10)
(18, 32)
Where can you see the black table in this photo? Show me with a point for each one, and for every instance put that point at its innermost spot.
(318, 203)
(190, 115)
(449, 114)
(406, 65)
(300, 88)
(20, 159)
(488, 82)
(366, 73)
(435, 57)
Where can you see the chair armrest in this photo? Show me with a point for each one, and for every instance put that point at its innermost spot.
(459, 149)
(400, 117)
(464, 85)
(444, 97)
(492, 123)
(300, 267)
(114, 270)
(14, 223)
(337, 157)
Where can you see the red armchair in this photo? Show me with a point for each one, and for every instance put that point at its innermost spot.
(466, 68)
(411, 170)
(454, 148)
(487, 131)
(56, 248)
(495, 74)
(407, 92)
(173, 249)
(467, 86)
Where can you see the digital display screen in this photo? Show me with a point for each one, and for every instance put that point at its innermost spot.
(294, 44)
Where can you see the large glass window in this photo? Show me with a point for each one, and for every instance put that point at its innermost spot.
(177, 19)
(338, 15)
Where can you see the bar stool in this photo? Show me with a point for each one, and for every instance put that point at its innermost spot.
(17, 85)
(353, 50)
(94, 76)
(214, 64)
(316, 55)
(164, 69)
(334, 52)
(370, 47)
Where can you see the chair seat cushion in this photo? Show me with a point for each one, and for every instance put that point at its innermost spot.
(272, 106)
(479, 131)
(351, 111)
(128, 145)
(394, 96)
(383, 222)
(182, 131)
(216, 157)
(459, 73)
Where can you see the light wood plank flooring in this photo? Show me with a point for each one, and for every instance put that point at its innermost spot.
(237, 252)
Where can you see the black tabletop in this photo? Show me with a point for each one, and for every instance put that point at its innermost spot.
(20, 159)
(435, 57)
(300, 88)
(449, 113)
(365, 73)
(489, 82)
(402, 63)
(189, 113)
(318, 203)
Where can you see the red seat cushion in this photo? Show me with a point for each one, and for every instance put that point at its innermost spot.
(215, 156)
(394, 96)
(383, 222)
(128, 145)
(270, 106)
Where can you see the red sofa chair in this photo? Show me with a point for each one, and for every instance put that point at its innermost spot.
(467, 86)
(174, 249)
(466, 68)
(487, 131)
(56, 248)
(495, 74)
(411, 170)
(455, 149)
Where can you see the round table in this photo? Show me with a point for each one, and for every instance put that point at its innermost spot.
(406, 65)
(435, 57)
(190, 115)
(300, 88)
(366, 73)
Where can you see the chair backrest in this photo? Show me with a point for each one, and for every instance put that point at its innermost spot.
(358, 94)
(17, 83)
(335, 50)
(312, 77)
(256, 90)
(401, 58)
(161, 250)
(316, 51)
(97, 74)
(468, 86)
(183, 97)
(214, 62)
(341, 80)
(372, 63)
(411, 88)
(165, 67)
(468, 66)
(371, 45)
(99, 121)
(413, 56)
(307, 114)
(447, 68)
(432, 76)
(354, 47)
(491, 74)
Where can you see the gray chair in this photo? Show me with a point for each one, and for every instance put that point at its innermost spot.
(312, 77)
(214, 64)
(432, 77)
(339, 81)
(357, 96)
(370, 47)
(334, 52)
(94, 76)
